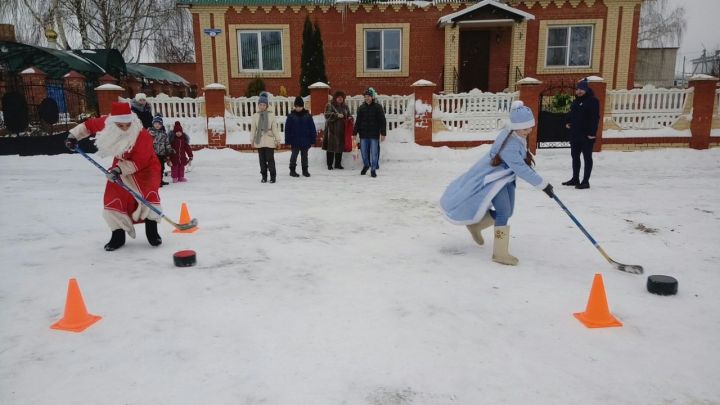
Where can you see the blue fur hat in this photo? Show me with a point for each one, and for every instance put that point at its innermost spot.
(263, 99)
(158, 118)
(583, 85)
(521, 117)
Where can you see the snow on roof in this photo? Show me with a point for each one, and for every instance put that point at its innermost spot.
(423, 83)
(703, 77)
(319, 85)
(450, 17)
(529, 80)
(595, 79)
(28, 71)
(214, 86)
(109, 87)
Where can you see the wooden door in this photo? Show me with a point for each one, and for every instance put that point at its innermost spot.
(474, 60)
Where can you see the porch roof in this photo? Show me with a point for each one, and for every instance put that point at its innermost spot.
(496, 12)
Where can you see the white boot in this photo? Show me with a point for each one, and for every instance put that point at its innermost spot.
(476, 228)
(500, 247)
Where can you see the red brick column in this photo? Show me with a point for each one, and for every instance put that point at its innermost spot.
(106, 95)
(702, 113)
(34, 80)
(599, 87)
(530, 95)
(215, 113)
(423, 127)
(319, 94)
(75, 102)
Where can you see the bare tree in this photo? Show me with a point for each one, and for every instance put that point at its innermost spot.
(134, 27)
(660, 25)
(174, 42)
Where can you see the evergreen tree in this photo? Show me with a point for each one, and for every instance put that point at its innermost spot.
(319, 61)
(306, 58)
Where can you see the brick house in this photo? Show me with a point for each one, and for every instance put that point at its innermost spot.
(459, 45)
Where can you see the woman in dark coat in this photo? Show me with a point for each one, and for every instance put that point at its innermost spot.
(336, 115)
(300, 134)
(582, 121)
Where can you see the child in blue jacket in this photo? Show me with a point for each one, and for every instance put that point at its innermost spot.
(300, 134)
(491, 181)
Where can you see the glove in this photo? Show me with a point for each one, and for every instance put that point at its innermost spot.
(549, 191)
(71, 143)
(114, 173)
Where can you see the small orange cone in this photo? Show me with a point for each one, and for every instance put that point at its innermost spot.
(597, 314)
(184, 219)
(76, 318)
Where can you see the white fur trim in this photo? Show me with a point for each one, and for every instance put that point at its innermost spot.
(119, 220)
(122, 119)
(516, 104)
(485, 205)
(522, 125)
(80, 132)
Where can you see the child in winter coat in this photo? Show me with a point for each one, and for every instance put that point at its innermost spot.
(182, 153)
(300, 134)
(491, 181)
(161, 144)
(265, 137)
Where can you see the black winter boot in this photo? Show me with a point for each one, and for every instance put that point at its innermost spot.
(152, 233)
(306, 173)
(572, 182)
(372, 173)
(583, 185)
(364, 170)
(116, 241)
(293, 173)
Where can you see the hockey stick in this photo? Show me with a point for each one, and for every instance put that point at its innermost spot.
(628, 268)
(183, 227)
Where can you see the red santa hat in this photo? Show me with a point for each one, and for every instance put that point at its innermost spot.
(120, 112)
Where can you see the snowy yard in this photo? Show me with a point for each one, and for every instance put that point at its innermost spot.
(341, 289)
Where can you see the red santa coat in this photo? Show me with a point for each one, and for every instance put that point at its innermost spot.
(139, 171)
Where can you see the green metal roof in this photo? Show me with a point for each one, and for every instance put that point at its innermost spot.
(111, 60)
(54, 62)
(258, 3)
(154, 73)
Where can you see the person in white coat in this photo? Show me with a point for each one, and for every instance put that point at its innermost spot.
(265, 134)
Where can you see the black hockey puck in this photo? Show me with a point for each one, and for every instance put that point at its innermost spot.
(662, 285)
(185, 258)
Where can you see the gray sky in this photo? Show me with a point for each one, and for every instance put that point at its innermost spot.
(703, 29)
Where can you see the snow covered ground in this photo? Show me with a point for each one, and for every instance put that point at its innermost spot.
(343, 289)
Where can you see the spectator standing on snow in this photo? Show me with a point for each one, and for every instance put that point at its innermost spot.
(370, 126)
(300, 134)
(122, 136)
(336, 115)
(182, 153)
(491, 181)
(265, 137)
(161, 144)
(142, 109)
(583, 122)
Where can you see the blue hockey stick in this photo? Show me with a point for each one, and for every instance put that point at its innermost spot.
(628, 268)
(183, 227)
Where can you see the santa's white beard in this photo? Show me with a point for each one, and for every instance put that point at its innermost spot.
(113, 141)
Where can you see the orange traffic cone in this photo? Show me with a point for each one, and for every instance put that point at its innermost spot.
(76, 318)
(597, 314)
(184, 219)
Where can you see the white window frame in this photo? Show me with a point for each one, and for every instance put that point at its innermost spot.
(258, 35)
(567, 45)
(382, 49)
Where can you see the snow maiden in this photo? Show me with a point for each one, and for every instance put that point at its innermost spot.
(491, 182)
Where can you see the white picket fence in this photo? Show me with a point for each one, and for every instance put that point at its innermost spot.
(241, 109)
(647, 108)
(474, 111)
(176, 107)
(399, 110)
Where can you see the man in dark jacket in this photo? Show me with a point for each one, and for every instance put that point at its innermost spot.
(142, 109)
(583, 122)
(370, 125)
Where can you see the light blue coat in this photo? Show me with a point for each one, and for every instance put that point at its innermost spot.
(468, 198)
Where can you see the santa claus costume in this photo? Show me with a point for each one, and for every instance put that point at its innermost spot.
(122, 136)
